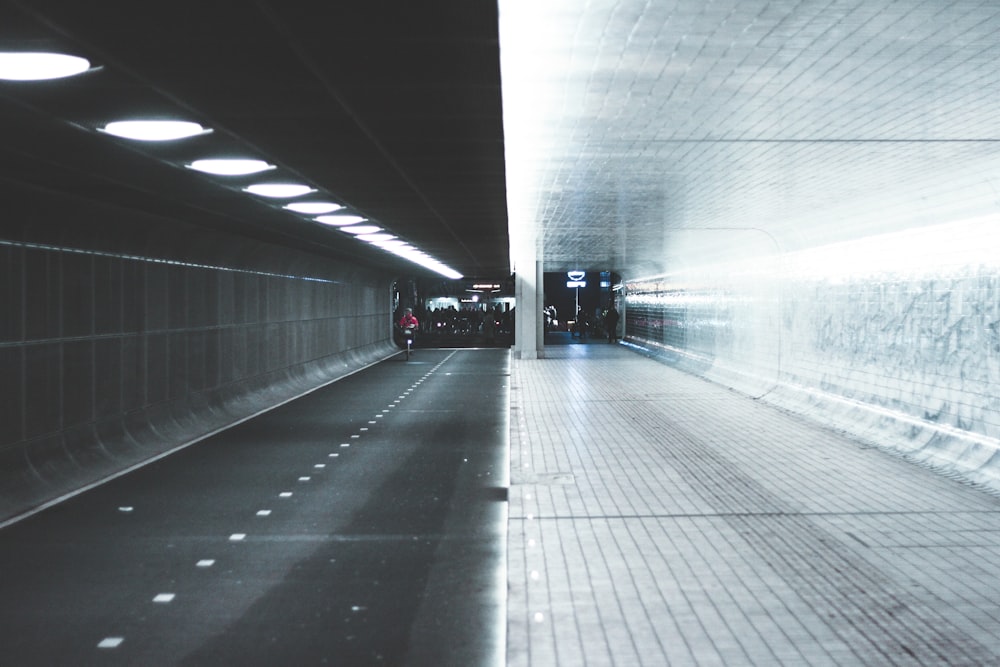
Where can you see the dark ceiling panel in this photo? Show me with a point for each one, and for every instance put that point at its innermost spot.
(391, 108)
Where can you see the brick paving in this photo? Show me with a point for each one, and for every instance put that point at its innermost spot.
(659, 519)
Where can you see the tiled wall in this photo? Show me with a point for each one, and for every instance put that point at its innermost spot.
(893, 337)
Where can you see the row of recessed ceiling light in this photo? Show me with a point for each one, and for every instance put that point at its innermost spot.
(35, 66)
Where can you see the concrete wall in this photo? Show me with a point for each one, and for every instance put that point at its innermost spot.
(892, 336)
(122, 337)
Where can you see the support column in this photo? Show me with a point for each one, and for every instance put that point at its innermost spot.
(529, 329)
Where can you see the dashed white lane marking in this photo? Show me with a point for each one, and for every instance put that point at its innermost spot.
(333, 455)
(372, 421)
(166, 598)
(363, 428)
(345, 444)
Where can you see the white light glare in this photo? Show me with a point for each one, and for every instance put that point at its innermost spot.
(940, 250)
(340, 220)
(313, 207)
(154, 130)
(424, 260)
(279, 190)
(361, 229)
(230, 167)
(37, 66)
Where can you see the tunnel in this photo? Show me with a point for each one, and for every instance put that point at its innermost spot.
(784, 452)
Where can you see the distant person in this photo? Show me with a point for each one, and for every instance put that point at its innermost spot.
(409, 322)
(611, 323)
(490, 327)
(580, 325)
(551, 318)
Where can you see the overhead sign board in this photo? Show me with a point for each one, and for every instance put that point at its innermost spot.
(576, 279)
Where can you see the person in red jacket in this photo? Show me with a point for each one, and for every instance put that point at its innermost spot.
(408, 320)
(408, 324)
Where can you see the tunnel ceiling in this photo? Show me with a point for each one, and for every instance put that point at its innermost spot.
(623, 125)
(391, 109)
(631, 126)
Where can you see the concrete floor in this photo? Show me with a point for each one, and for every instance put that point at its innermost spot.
(363, 524)
(658, 519)
(653, 519)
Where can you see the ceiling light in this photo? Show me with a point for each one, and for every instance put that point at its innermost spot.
(154, 130)
(361, 229)
(425, 260)
(313, 207)
(391, 243)
(376, 238)
(40, 66)
(340, 220)
(230, 167)
(279, 190)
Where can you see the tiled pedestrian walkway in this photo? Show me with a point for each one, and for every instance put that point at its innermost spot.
(658, 519)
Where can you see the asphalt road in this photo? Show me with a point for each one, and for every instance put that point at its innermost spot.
(362, 524)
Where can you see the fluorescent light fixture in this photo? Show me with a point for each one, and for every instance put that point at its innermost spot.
(230, 167)
(279, 190)
(391, 243)
(39, 66)
(313, 207)
(361, 229)
(407, 251)
(375, 238)
(340, 220)
(154, 130)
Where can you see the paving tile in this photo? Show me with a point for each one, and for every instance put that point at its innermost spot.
(658, 519)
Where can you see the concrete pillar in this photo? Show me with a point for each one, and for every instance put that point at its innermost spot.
(529, 330)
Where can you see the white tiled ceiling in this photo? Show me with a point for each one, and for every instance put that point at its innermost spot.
(813, 120)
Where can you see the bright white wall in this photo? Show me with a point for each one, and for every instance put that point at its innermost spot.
(894, 337)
